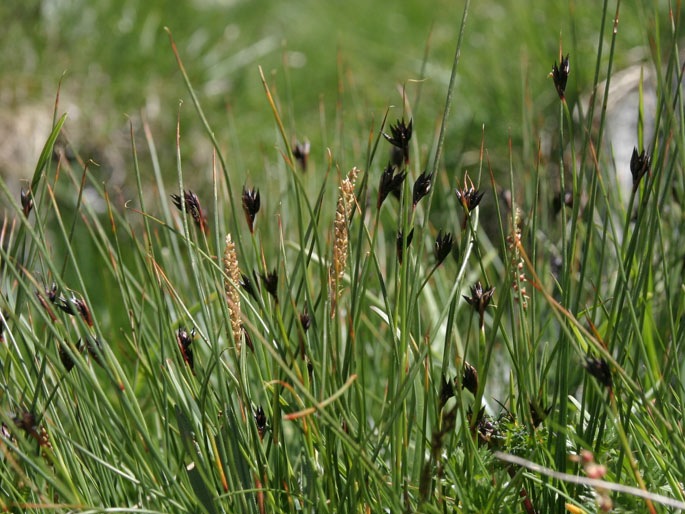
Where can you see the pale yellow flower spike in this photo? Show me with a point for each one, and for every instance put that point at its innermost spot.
(231, 287)
(343, 212)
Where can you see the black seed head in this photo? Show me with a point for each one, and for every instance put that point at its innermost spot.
(305, 320)
(251, 204)
(192, 207)
(301, 154)
(401, 244)
(446, 391)
(480, 299)
(83, 310)
(65, 357)
(469, 379)
(538, 413)
(94, 349)
(399, 137)
(51, 293)
(469, 197)
(26, 201)
(248, 339)
(260, 421)
(560, 75)
(248, 286)
(562, 199)
(639, 166)
(390, 183)
(422, 186)
(271, 283)
(184, 340)
(443, 246)
(599, 368)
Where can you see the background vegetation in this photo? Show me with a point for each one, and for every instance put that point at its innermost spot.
(380, 371)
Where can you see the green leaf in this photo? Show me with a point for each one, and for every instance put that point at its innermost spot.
(47, 151)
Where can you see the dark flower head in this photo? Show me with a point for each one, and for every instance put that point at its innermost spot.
(301, 154)
(192, 207)
(538, 412)
(469, 197)
(469, 379)
(260, 421)
(251, 204)
(399, 137)
(270, 280)
(94, 348)
(51, 293)
(83, 310)
(72, 307)
(639, 167)
(443, 246)
(247, 285)
(305, 320)
(26, 201)
(560, 75)
(390, 183)
(446, 391)
(479, 300)
(248, 339)
(599, 368)
(401, 244)
(557, 201)
(184, 340)
(65, 357)
(422, 186)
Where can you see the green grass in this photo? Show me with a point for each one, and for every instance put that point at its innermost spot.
(365, 371)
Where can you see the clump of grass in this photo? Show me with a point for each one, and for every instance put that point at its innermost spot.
(546, 348)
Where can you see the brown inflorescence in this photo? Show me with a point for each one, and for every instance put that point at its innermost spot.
(343, 213)
(192, 207)
(232, 280)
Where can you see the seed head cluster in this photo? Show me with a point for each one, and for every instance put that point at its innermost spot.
(232, 281)
(343, 213)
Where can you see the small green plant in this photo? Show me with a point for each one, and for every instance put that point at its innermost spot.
(369, 334)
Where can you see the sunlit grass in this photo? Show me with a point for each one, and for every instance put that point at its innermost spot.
(386, 331)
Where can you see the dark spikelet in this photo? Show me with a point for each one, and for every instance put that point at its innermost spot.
(560, 76)
(538, 412)
(192, 207)
(83, 310)
(446, 391)
(184, 340)
(443, 246)
(400, 135)
(270, 280)
(390, 183)
(469, 379)
(251, 204)
(248, 286)
(422, 186)
(260, 421)
(305, 320)
(65, 357)
(599, 368)
(480, 299)
(469, 197)
(401, 244)
(639, 167)
(248, 339)
(301, 154)
(94, 348)
(26, 201)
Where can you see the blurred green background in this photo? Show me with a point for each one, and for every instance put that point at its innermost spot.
(335, 66)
